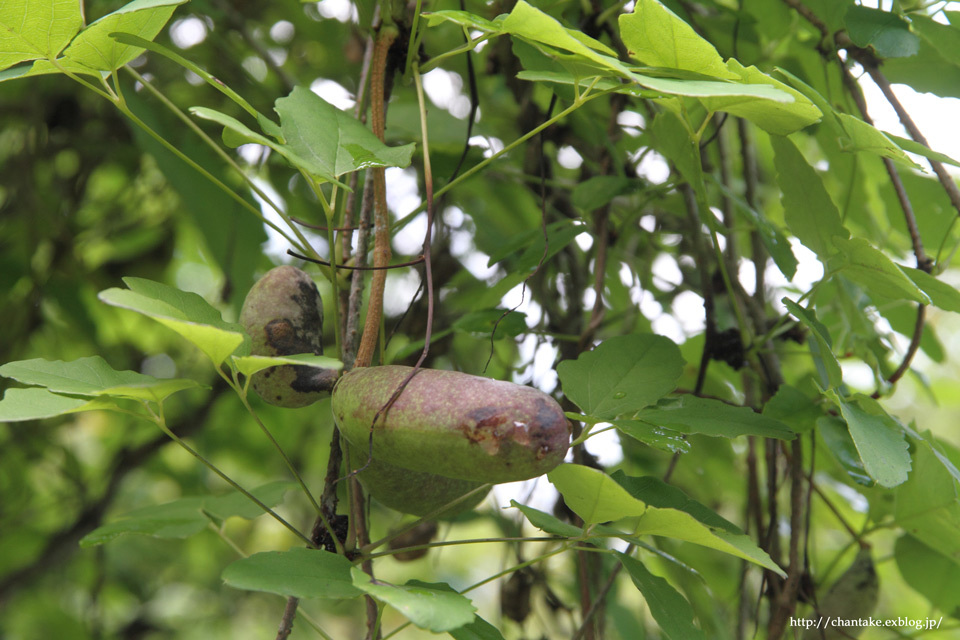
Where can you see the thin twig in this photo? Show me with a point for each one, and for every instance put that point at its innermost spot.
(286, 623)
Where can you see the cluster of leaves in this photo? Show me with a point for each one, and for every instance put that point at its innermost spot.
(792, 107)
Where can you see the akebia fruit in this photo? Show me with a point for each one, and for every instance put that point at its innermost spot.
(283, 315)
(415, 492)
(452, 424)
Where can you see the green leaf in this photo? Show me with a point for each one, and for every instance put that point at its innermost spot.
(479, 629)
(654, 436)
(593, 495)
(31, 29)
(462, 18)
(184, 312)
(232, 124)
(944, 38)
(790, 406)
(249, 365)
(880, 442)
(623, 374)
(18, 405)
(548, 523)
(657, 37)
(673, 613)
(675, 141)
(298, 572)
(328, 142)
(657, 493)
(533, 25)
(672, 523)
(809, 211)
(927, 504)
(821, 346)
(790, 112)
(871, 268)
(690, 414)
(187, 516)
(94, 48)
(886, 32)
(853, 134)
(934, 575)
(941, 294)
(837, 438)
(433, 607)
(921, 149)
(93, 376)
(597, 191)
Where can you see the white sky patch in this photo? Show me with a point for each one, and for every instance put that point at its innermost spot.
(340, 10)
(654, 168)
(689, 312)
(409, 240)
(489, 145)
(930, 112)
(631, 122)
(537, 493)
(568, 157)
(648, 223)
(282, 32)
(403, 193)
(333, 92)
(747, 274)
(188, 32)
(858, 375)
(584, 241)
(399, 290)
(667, 325)
(666, 272)
(605, 446)
(252, 153)
(445, 89)
(809, 271)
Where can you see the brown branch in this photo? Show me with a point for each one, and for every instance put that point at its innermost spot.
(379, 77)
(601, 596)
(286, 623)
(810, 16)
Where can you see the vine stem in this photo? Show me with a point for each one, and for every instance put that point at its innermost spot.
(381, 251)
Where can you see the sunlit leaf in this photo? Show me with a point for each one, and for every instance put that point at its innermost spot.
(94, 48)
(31, 29)
(92, 376)
(593, 495)
(184, 312)
(868, 266)
(36, 404)
(249, 365)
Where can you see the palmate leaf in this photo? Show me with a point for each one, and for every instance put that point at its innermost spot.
(622, 375)
(33, 29)
(327, 142)
(184, 312)
(94, 48)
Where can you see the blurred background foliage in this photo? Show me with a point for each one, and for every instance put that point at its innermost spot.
(85, 199)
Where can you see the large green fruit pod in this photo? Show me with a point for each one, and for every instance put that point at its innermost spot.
(283, 315)
(415, 492)
(452, 424)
